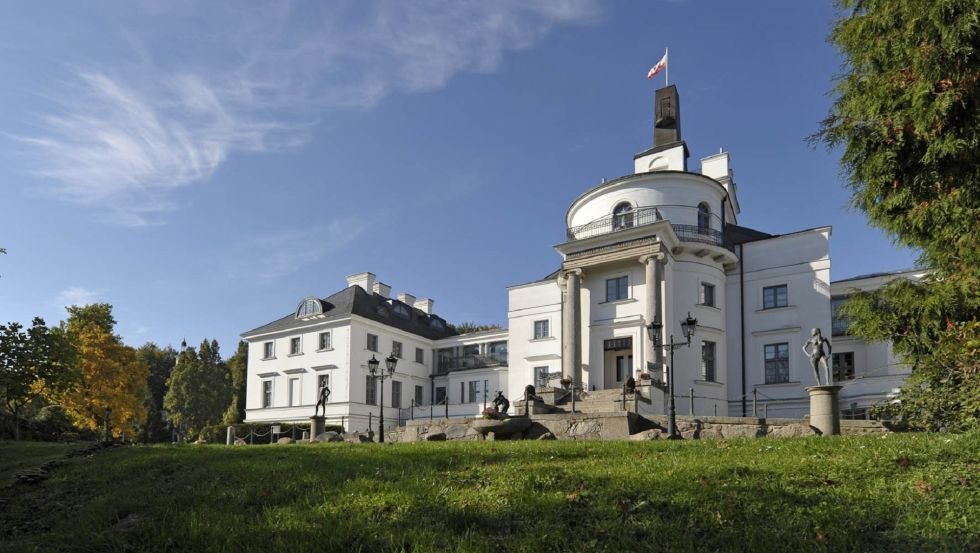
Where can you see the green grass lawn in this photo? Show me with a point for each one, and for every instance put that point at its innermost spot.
(907, 492)
(17, 456)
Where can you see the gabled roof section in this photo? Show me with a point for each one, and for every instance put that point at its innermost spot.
(354, 300)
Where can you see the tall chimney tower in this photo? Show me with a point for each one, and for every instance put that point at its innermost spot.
(667, 116)
(669, 151)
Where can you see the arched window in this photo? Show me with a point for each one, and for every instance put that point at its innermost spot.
(309, 307)
(704, 216)
(622, 216)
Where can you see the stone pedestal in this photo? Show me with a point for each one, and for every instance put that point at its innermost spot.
(825, 409)
(317, 426)
(230, 437)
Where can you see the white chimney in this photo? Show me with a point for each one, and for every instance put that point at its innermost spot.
(364, 280)
(381, 288)
(717, 166)
(406, 298)
(425, 305)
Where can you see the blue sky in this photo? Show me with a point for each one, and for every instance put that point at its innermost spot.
(204, 166)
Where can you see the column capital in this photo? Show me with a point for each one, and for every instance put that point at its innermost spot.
(565, 273)
(655, 257)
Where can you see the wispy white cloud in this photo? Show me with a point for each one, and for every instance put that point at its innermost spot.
(272, 255)
(256, 78)
(76, 295)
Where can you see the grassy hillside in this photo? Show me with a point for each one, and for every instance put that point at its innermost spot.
(894, 493)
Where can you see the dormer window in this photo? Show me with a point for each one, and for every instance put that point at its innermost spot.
(437, 324)
(309, 307)
(622, 216)
(401, 310)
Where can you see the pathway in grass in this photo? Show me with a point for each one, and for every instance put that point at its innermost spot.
(896, 493)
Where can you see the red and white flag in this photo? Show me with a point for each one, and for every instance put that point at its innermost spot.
(659, 67)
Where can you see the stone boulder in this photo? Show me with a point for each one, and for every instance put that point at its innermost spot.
(239, 441)
(654, 434)
(330, 436)
(284, 441)
(547, 436)
(436, 437)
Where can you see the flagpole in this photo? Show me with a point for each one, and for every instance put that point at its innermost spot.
(667, 68)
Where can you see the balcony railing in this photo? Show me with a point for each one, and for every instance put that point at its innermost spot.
(446, 364)
(649, 215)
(613, 223)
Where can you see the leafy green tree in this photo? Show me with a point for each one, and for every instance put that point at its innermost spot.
(907, 116)
(199, 388)
(237, 371)
(32, 363)
(161, 362)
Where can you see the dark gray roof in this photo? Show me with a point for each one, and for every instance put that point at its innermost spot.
(354, 300)
(735, 234)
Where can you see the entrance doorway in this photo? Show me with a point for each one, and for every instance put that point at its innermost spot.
(617, 361)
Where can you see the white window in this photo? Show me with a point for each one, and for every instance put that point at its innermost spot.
(777, 363)
(474, 391)
(294, 346)
(708, 361)
(396, 349)
(704, 216)
(540, 377)
(622, 216)
(419, 355)
(372, 342)
(268, 350)
(396, 393)
(775, 296)
(294, 392)
(617, 288)
(371, 395)
(266, 393)
(707, 294)
(541, 329)
(418, 394)
(324, 341)
(843, 366)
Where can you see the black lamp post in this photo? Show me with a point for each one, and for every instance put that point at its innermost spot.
(379, 374)
(653, 331)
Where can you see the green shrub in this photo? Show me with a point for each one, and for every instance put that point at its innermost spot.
(51, 422)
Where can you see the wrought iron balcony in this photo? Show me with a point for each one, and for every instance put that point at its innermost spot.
(702, 233)
(636, 218)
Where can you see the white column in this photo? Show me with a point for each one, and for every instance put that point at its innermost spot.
(571, 326)
(653, 308)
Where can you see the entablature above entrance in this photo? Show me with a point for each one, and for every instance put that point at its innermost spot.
(612, 253)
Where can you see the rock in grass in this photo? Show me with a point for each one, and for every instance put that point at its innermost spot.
(647, 435)
(239, 441)
(436, 437)
(285, 441)
(329, 436)
(547, 436)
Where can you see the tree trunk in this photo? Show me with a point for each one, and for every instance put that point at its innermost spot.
(16, 424)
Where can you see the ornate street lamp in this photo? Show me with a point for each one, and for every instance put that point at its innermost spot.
(654, 332)
(379, 375)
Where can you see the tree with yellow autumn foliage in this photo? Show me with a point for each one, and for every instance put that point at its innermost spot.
(110, 374)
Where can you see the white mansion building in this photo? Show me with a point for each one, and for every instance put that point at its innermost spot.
(654, 245)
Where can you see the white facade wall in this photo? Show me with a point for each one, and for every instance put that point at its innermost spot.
(801, 262)
(674, 194)
(528, 303)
